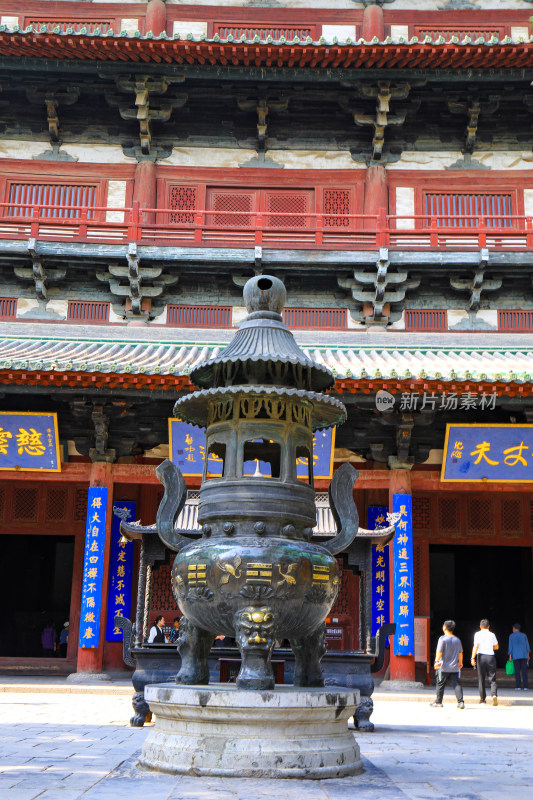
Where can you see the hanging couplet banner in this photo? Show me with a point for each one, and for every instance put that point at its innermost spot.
(187, 451)
(120, 570)
(490, 453)
(29, 441)
(377, 518)
(93, 567)
(402, 577)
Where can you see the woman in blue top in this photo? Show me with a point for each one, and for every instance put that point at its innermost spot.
(519, 653)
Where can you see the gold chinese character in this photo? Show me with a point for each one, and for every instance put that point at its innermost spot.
(403, 539)
(92, 573)
(95, 518)
(458, 446)
(403, 510)
(380, 605)
(380, 590)
(481, 452)
(403, 640)
(380, 561)
(120, 585)
(97, 502)
(403, 553)
(403, 597)
(380, 548)
(89, 617)
(404, 581)
(91, 587)
(380, 576)
(88, 633)
(93, 559)
(90, 602)
(119, 600)
(121, 556)
(4, 436)
(512, 457)
(94, 547)
(121, 571)
(380, 620)
(30, 442)
(404, 611)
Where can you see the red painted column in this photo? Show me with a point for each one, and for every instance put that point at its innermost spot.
(376, 191)
(373, 23)
(145, 189)
(402, 668)
(156, 17)
(92, 659)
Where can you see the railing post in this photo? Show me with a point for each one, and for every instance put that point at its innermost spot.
(482, 233)
(319, 237)
(258, 221)
(198, 228)
(34, 227)
(133, 228)
(82, 230)
(382, 233)
(433, 233)
(529, 233)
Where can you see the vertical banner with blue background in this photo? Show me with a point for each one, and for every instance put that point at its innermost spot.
(377, 518)
(93, 567)
(402, 578)
(120, 570)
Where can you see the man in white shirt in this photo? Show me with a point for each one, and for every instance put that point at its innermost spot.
(485, 643)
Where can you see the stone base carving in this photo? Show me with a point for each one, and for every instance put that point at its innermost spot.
(285, 733)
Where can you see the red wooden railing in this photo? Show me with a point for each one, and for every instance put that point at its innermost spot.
(166, 228)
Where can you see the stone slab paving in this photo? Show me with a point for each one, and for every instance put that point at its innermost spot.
(80, 747)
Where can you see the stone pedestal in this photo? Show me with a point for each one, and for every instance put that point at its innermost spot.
(219, 730)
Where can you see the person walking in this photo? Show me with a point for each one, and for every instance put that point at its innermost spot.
(49, 640)
(449, 663)
(156, 635)
(485, 644)
(518, 652)
(63, 640)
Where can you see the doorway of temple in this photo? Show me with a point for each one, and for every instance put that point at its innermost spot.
(35, 591)
(472, 582)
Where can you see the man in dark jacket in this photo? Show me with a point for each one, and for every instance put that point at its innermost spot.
(448, 663)
(518, 652)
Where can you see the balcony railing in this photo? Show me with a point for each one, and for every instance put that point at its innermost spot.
(167, 228)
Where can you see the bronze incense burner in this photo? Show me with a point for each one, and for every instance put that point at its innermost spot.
(255, 574)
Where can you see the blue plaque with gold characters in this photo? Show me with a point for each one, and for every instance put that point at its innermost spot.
(489, 453)
(29, 441)
(120, 570)
(93, 567)
(402, 578)
(377, 518)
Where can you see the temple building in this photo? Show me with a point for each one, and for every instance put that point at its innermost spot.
(377, 156)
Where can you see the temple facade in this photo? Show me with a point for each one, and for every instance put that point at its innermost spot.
(377, 156)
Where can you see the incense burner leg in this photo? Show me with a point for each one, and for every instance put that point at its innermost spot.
(362, 715)
(254, 632)
(308, 652)
(194, 645)
(141, 708)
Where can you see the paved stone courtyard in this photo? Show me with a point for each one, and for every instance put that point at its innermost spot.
(65, 746)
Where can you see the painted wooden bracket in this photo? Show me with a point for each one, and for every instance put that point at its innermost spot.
(472, 109)
(37, 272)
(262, 107)
(52, 99)
(478, 283)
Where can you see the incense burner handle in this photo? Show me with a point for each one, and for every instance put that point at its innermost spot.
(171, 505)
(343, 509)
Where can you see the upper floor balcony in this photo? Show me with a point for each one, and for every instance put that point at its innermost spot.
(285, 228)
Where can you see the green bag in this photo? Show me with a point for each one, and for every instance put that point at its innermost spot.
(509, 668)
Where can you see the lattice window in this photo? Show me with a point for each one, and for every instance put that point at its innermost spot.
(183, 198)
(475, 33)
(80, 504)
(425, 319)
(102, 25)
(323, 318)
(337, 201)
(449, 514)
(234, 208)
(162, 597)
(8, 308)
(25, 504)
(511, 521)
(515, 320)
(480, 515)
(72, 198)
(56, 505)
(263, 32)
(88, 311)
(422, 513)
(417, 576)
(462, 210)
(199, 316)
(286, 209)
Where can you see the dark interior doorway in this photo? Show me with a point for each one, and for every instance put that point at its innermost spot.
(468, 583)
(35, 590)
